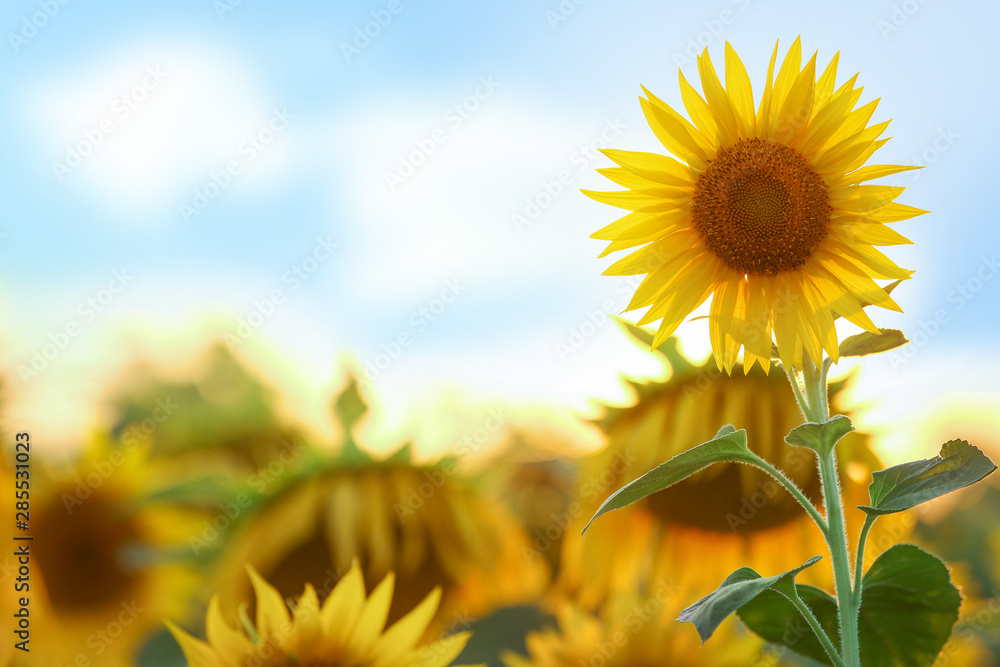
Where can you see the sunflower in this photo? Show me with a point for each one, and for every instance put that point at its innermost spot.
(347, 629)
(720, 519)
(631, 630)
(767, 210)
(102, 576)
(426, 523)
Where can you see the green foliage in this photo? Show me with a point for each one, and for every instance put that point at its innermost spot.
(908, 608)
(820, 438)
(739, 588)
(901, 487)
(729, 446)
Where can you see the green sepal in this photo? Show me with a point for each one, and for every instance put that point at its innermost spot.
(820, 438)
(730, 447)
(736, 590)
(904, 486)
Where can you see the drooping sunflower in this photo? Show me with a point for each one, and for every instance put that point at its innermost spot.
(103, 561)
(765, 209)
(427, 523)
(348, 628)
(698, 531)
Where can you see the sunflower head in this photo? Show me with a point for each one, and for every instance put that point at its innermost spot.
(763, 207)
(348, 628)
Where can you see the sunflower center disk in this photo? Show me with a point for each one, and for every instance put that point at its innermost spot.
(760, 207)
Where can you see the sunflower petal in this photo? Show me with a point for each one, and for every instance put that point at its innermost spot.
(652, 166)
(718, 100)
(740, 92)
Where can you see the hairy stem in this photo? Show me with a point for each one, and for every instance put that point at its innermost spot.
(817, 629)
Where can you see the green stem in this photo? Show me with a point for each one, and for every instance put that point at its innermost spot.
(795, 491)
(818, 410)
(859, 563)
(817, 629)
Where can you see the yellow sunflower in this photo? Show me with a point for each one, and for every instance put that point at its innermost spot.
(427, 523)
(632, 630)
(698, 531)
(347, 629)
(101, 574)
(767, 210)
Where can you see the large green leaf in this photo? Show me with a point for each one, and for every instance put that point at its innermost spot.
(820, 438)
(865, 343)
(728, 446)
(739, 588)
(908, 608)
(901, 487)
(772, 616)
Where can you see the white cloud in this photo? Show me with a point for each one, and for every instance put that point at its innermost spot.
(153, 122)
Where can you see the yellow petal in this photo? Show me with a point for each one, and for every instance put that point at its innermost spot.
(722, 310)
(764, 109)
(441, 652)
(658, 282)
(308, 626)
(787, 75)
(786, 319)
(639, 225)
(231, 644)
(340, 612)
(757, 329)
(372, 619)
(871, 172)
(856, 280)
(835, 160)
(797, 106)
(652, 166)
(406, 632)
(647, 259)
(875, 233)
(855, 122)
(197, 652)
(740, 92)
(841, 300)
(895, 212)
(697, 108)
(673, 133)
(273, 619)
(826, 81)
(827, 121)
(863, 198)
(634, 201)
(717, 99)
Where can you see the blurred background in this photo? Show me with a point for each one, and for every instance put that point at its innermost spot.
(250, 247)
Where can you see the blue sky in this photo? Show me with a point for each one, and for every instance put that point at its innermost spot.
(360, 194)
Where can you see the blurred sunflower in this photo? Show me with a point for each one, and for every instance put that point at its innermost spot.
(720, 519)
(347, 629)
(103, 573)
(764, 209)
(426, 523)
(631, 631)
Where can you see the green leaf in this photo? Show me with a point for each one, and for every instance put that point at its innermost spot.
(901, 487)
(728, 447)
(908, 608)
(739, 588)
(866, 343)
(350, 405)
(821, 438)
(773, 617)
